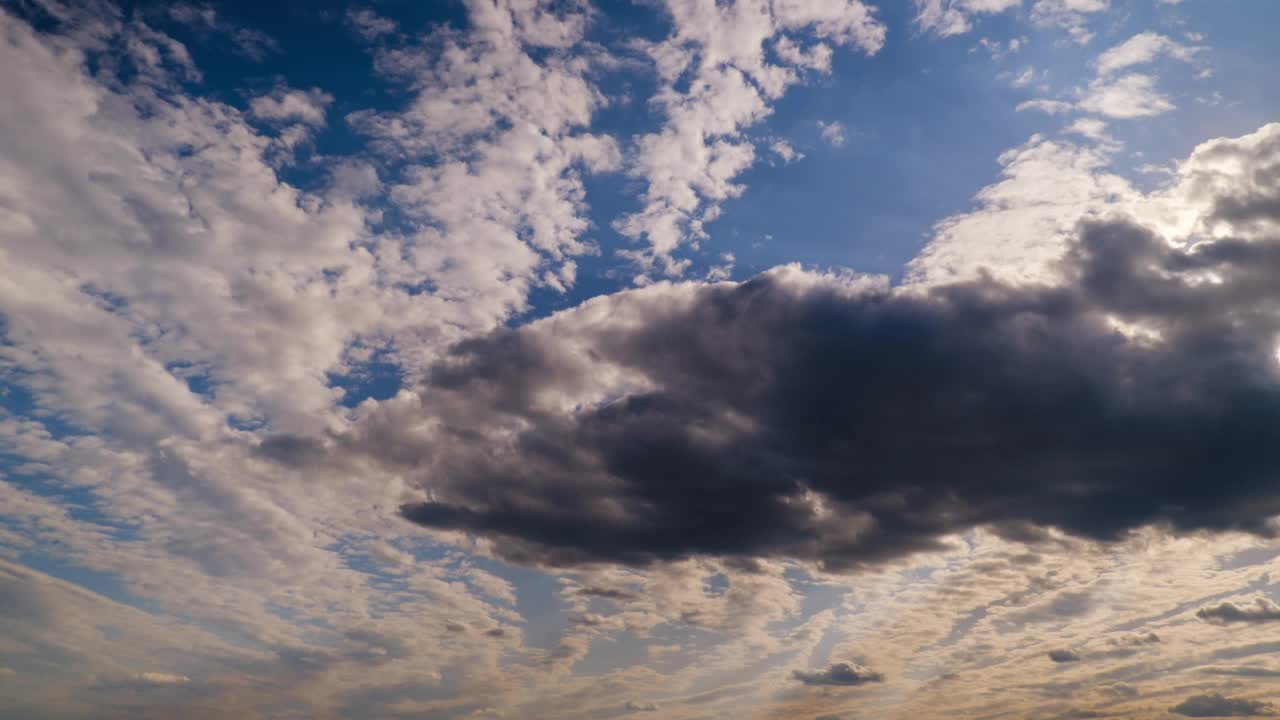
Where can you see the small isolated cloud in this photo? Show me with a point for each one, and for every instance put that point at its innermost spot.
(785, 152)
(159, 678)
(999, 50)
(1129, 96)
(1215, 705)
(833, 133)
(370, 25)
(1261, 611)
(1024, 78)
(283, 104)
(1064, 656)
(839, 674)
(633, 706)
(1052, 107)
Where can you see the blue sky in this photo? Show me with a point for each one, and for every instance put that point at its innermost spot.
(650, 358)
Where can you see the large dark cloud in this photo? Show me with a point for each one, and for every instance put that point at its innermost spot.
(808, 416)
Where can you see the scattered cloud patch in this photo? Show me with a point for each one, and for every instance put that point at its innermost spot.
(839, 674)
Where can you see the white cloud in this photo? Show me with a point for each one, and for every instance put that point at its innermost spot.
(160, 678)
(690, 165)
(954, 17)
(1128, 96)
(1052, 107)
(307, 106)
(785, 151)
(1069, 15)
(1091, 128)
(999, 50)
(833, 133)
(1141, 49)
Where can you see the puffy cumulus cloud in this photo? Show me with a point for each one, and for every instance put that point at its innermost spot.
(1023, 222)
(1144, 48)
(837, 420)
(954, 17)
(1215, 705)
(1261, 610)
(841, 673)
(720, 70)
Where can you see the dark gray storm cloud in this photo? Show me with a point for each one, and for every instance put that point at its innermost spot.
(1219, 706)
(807, 416)
(839, 674)
(1260, 611)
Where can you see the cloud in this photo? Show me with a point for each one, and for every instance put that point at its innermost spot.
(1051, 107)
(1141, 49)
(785, 152)
(1063, 656)
(1126, 97)
(710, 91)
(842, 673)
(851, 423)
(1069, 15)
(1261, 611)
(634, 706)
(369, 25)
(249, 42)
(160, 678)
(954, 17)
(1215, 705)
(833, 133)
(307, 106)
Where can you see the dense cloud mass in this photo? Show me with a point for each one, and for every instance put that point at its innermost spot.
(835, 419)
(1260, 611)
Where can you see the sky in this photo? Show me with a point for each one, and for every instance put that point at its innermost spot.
(653, 359)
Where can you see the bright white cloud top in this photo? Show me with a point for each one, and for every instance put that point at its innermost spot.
(680, 359)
